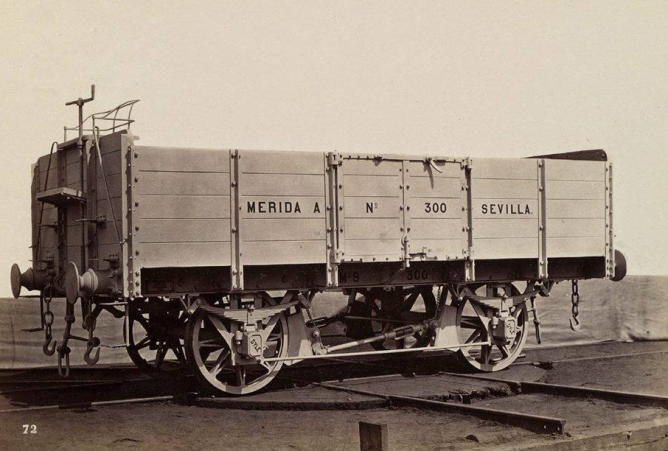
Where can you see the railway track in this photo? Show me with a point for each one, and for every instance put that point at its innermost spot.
(144, 390)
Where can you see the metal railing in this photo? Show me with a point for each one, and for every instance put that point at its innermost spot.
(119, 119)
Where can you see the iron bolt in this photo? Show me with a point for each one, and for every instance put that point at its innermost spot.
(137, 228)
(233, 183)
(136, 179)
(401, 208)
(137, 252)
(234, 230)
(136, 155)
(136, 204)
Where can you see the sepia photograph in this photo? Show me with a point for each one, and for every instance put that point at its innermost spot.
(354, 225)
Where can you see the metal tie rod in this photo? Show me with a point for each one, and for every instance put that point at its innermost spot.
(534, 423)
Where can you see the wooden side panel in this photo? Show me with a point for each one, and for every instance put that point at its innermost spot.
(433, 216)
(371, 194)
(505, 208)
(282, 208)
(576, 208)
(181, 207)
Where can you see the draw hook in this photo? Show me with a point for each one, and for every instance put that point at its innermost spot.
(65, 351)
(575, 324)
(89, 349)
(49, 346)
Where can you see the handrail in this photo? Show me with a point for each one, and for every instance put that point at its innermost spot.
(107, 116)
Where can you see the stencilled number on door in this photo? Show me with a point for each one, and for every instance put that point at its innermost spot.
(29, 429)
(435, 207)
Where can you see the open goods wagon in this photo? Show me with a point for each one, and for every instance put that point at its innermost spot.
(215, 256)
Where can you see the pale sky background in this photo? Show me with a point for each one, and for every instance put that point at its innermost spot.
(505, 79)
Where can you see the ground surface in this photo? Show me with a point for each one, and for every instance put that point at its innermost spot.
(180, 426)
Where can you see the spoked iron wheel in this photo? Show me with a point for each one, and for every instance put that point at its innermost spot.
(473, 319)
(400, 306)
(155, 337)
(209, 344)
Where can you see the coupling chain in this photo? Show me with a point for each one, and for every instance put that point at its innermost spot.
(48, 322)
(575, 300)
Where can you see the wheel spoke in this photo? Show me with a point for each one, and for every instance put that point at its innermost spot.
(241, 375)
(474, 336)
(221, 363)
(504, 350)
(143, 343)
(485, 352)
(160, 356)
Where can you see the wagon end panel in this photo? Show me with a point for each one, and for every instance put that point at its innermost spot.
(578, 215)
(282, 209)
(177, 216)
(105, 170)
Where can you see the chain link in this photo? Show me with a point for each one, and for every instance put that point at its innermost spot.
(575, 300)
(48, 320)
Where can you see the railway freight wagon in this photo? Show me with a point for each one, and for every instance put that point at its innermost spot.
(213, 258)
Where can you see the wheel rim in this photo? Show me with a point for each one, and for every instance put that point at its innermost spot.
(471, 330)
(156, 346)
(209, 354)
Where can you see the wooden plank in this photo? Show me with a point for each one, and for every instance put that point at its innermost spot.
(434, 187)
(281, 229)
(372, 228)
(282, 184)
(371, 167)
(499, 168)
(569, 190)
(505, 248)
(280, 162)
(575, 209)
(373, 207)
(153, 255)
(565, 228)
(374, 248)
(576, 247)
(169, 206)
(375, 186)
(504, 189)
(435, 229)
(299, 207)
(112, 164)
(103, 209)
(115, 185)
(437, 248)
(575, 170)
(184, 230)
(425, 170)
(433, 208)
(182, 159)
(72, 174)
(284, 252)
(506, 228)
(183, 183)
(505, 208)
(107, 234)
